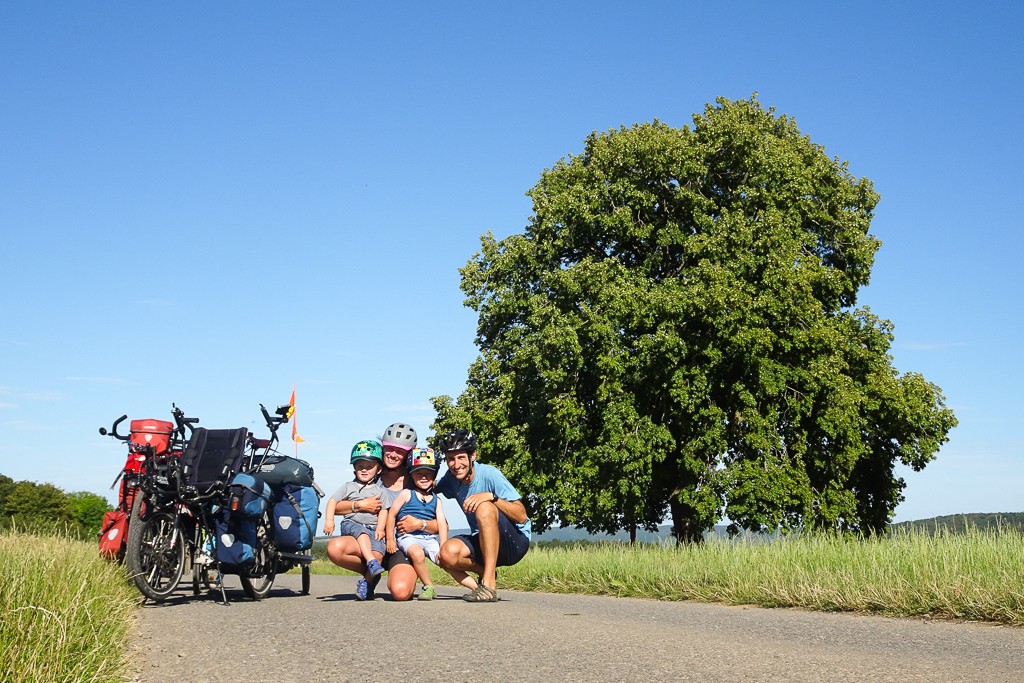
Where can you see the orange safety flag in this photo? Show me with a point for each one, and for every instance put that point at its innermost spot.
(291, 414)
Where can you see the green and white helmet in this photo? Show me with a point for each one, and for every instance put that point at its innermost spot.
(369, 449)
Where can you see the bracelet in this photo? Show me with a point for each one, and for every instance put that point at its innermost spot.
(424, 527)
(354, 509)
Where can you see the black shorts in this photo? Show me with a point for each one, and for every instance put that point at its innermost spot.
(512, 543)
(392, 560)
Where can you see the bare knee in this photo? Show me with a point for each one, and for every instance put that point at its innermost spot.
(415, 553)
(401, 582)
(450, 553)
(486, 514)
(336, 549)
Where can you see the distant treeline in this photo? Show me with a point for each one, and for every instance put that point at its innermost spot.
(952, 524)
(957, 524)
(35, 507)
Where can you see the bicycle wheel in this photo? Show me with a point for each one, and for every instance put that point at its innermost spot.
(258, 578)
(200, 578)
(155, 554)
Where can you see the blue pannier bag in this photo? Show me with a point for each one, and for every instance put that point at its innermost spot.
(236, 539)
(249, 496)
(295, 513)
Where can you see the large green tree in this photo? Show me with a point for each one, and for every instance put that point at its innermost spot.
(676, 333)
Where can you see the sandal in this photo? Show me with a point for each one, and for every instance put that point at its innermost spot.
(481, 594)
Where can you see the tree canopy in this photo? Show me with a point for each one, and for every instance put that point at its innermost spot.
(44, 507)
(675, 333)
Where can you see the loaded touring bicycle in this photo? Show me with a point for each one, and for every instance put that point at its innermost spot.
(231, 504)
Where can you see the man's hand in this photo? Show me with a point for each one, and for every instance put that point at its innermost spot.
(474, 501)
(408, 524)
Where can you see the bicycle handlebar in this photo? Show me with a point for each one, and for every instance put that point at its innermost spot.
(182, 421)
(113, 429)
(274, 422)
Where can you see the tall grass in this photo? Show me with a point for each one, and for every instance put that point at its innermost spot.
(977, 575)
(64, 611)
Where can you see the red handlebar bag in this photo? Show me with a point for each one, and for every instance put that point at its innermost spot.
(155, 433)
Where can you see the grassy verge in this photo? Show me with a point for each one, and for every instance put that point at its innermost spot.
(977, 575)
(64, 611)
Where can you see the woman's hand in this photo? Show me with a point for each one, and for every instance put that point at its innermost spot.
(328, 527)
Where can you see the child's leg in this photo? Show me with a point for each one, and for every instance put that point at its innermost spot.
(364, 547)
(419, 563)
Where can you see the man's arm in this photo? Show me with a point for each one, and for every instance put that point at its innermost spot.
(513, 509)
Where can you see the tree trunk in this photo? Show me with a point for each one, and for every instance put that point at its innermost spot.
(685, 528)
(632, 534)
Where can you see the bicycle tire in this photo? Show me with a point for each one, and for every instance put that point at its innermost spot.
(155, 565)
(200, 578)
(258, 579)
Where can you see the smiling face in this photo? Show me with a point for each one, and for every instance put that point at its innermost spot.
(460, 464)
(423, 478)
(366, 470)
(394, 457)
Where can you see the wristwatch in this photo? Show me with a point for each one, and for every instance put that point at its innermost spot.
(494, 497)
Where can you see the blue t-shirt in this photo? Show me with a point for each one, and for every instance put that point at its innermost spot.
(486, 479)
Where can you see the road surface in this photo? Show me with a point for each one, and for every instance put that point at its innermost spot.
(329, 636)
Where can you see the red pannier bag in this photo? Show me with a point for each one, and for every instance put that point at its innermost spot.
(114, 534)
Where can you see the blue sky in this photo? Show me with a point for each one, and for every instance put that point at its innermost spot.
(206, 203)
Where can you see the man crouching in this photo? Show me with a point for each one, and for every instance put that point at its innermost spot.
(494, 509)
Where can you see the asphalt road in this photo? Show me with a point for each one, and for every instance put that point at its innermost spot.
(329, 636)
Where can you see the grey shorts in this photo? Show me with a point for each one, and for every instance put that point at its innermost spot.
(354, 529)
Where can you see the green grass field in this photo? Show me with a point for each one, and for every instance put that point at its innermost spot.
(65, 613)
(977, 575)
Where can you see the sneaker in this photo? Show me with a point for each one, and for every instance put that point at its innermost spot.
(428, 593)
(362, 589)
(373, 566)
